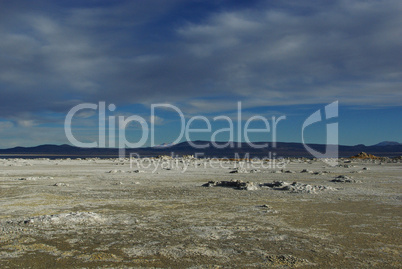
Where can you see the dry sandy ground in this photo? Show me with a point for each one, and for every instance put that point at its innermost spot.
(103, 214)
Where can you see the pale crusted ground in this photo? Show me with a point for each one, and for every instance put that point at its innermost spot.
(103, 214)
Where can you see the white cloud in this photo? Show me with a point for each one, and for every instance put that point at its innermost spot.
(155, 120)
(26, 123)
(85, 114)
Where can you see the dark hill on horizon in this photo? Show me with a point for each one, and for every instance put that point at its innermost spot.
(283, 149)
(388, 143)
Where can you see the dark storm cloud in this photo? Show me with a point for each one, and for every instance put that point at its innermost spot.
(53, 56)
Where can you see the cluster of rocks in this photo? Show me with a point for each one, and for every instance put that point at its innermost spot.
(236, 184)
(269, 209)
(364, 155)
(345, 179)
(60, 184)
(115, 171)
(164, 157)
(188, 157)
(283, 171)
(294, 187)
(239, 170)
(321, 172)
(35, 178)
(302, 171)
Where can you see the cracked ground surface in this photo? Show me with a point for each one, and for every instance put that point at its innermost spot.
(100, 213)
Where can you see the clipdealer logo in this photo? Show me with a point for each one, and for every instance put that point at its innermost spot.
(118, 125)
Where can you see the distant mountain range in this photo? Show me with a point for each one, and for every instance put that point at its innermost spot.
(387, 148)
(388, 143)
(164, 145)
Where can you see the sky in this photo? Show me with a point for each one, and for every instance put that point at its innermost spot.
(205, 58)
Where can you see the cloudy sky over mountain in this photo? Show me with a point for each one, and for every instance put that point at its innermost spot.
(276, 57)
